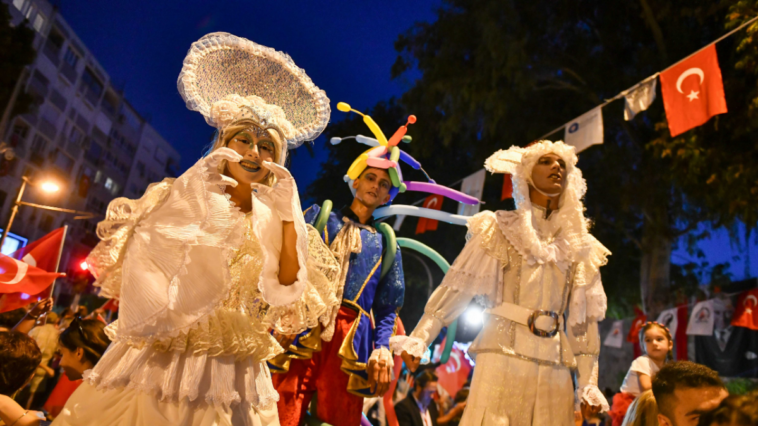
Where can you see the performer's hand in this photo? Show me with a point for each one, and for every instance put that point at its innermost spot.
(379, 376)
(412, 362)
(212, 161)
(590, 411)
(283, 190)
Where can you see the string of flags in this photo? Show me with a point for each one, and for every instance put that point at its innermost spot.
(693, 92)
(703, 319)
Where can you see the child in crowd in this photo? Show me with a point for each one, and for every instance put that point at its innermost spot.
(81, 346)
(19, 358)
(656, 340)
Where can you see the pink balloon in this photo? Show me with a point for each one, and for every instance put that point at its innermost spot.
(380, 163)
(434, 188)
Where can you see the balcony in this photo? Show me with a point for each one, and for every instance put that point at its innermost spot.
(37, 159)
(68, 72)
(92, 97)
(37, 87)
(52, 53)
(47, 128)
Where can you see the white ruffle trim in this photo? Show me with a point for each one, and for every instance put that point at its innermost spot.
(524, 239)
(173, 376)
(588, 299)
(412, 345)
(591, 395)
(382, 354)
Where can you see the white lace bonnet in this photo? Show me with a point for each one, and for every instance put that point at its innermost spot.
(226, 78)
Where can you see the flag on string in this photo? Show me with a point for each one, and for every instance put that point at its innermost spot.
(670, 319)
(615, 337)
(682, 352)
(585, 131)
(693, 91)
(637, 323)
(433, 202)
(701, 319)
(507, 187)
(472, 185)
(27, 273)
(746, 310)
(640, 98)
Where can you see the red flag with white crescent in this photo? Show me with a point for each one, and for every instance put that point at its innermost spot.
(27, 273)
(746, 310)
(433, 202)
(693, 91)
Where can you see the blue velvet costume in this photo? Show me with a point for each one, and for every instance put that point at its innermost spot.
(365, 293)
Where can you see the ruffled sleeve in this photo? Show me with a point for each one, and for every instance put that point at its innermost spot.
(105, 261)
(175, 265)
(588, 300)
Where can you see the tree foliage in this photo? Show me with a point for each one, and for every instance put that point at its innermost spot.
(500, 73)
(16, 52)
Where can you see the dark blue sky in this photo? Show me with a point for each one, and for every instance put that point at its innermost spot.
(345, 47)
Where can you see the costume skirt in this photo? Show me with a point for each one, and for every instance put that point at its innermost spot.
(510, 391)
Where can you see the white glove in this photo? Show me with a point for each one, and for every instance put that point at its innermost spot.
(280, 195)
(212, 161)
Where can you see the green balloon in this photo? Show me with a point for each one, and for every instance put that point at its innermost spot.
(391, 249)
(323, 216)
(442, 263)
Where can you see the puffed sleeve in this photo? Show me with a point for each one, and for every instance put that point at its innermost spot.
(388, 301)
(588, 305)
(475, 272)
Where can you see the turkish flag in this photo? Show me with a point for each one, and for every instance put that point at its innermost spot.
(433, 202)
(454, 374)
(746, 310)
(507, 187)
(634, 331)
(693, 91)
(27, 274)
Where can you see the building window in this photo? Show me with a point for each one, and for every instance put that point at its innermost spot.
(39, 22)
(109, 184)
(20, 4)
(64, 162)
(98, 176)
(71, 57)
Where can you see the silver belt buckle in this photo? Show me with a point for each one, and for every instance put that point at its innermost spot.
(541, 333)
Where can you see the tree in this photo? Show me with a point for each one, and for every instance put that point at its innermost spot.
(16, 52)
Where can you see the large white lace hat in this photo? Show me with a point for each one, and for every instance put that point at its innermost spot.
(227, 78)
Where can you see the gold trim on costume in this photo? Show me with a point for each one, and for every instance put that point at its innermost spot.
(371, 274)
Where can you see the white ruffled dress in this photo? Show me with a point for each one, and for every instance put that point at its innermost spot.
(522, 379)
(199, 290)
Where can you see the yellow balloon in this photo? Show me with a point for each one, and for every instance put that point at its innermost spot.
(357, 167)
(375, 130)
(343, 107)
(395, 154)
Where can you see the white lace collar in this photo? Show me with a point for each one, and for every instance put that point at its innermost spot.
(520, 233)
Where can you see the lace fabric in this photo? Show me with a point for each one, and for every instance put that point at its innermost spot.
(347, 241)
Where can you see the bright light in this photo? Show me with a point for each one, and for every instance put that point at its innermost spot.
(474, 316)
(50, 187)
(84, 266)
(24, 296)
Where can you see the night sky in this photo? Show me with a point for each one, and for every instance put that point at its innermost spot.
(345, 47)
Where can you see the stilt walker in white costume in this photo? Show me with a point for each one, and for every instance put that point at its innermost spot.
(537, 270)
(204, 265)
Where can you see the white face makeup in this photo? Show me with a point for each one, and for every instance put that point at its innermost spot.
(256, 146)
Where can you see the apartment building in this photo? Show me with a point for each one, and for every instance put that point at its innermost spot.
(82, 133)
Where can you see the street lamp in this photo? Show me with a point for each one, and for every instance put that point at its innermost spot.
(47, 186)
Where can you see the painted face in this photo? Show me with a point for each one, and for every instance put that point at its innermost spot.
(256, 146)
(549, 174)
(73, 362)
(372, 187)
(657, 345)
(691, 403)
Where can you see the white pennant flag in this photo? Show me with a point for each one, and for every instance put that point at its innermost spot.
(615, 337)
(585, 131)
(701, 319)
(640, 98)
(472, 185)
(669, 319)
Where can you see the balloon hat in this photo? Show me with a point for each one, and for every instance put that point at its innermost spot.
(386, 154)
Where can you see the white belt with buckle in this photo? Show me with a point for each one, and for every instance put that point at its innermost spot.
(528, 317)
